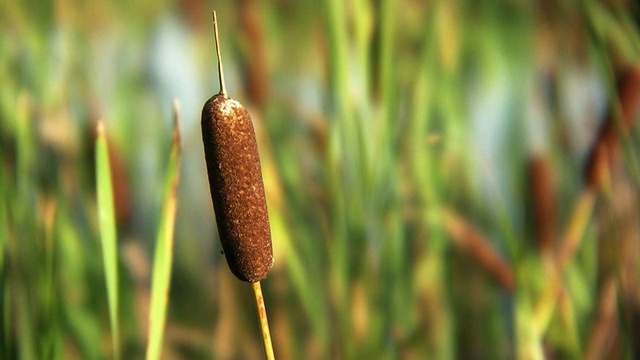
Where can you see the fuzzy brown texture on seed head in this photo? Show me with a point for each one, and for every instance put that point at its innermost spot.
(237, 191)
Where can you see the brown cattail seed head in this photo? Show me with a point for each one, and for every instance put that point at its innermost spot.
(237, 191)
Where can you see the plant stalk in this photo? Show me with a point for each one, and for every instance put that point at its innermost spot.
(264, 322)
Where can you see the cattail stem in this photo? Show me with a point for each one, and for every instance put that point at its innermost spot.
(264, 323)
(223, 88)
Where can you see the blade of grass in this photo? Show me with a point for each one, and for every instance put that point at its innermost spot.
(577, 225)
(49, 345)
(74, 263)
(5, 295)
(340, 159)
(22, 234)
(574, 233)
(6, 335)
(164, 245)
(107, 224)
(430, 267)
(26, 336)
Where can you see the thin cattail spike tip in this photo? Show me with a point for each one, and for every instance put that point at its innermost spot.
(223, 88)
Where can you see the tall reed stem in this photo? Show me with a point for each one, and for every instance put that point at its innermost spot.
(264, 322)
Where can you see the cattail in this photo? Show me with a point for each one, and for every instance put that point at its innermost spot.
(605, 150)
(235, 181)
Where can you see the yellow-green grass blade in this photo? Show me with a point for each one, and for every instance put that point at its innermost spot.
(5, 298)
(108, 234)
(164, 246)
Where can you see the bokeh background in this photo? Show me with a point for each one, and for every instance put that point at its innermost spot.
(445, 179)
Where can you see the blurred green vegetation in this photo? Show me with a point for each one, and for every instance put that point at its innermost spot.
(445, 179)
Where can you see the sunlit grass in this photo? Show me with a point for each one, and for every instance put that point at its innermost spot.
(163, 257)
(108, 233)
(396, 142)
